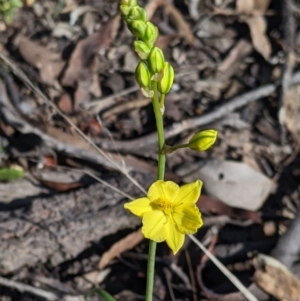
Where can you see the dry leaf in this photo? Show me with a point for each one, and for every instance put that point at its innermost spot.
(234, 183)
(209, 204)
(49, 63)
(183, 28)
(152, 7)
(233, 60)
(290, 111)
(275, 279)
(261, 43)
(121, 246)
(245, 6)
(82, 67)
(257, 24)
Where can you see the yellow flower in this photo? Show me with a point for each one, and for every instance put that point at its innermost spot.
(169, 212)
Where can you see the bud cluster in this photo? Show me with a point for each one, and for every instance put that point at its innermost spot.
(152, 67)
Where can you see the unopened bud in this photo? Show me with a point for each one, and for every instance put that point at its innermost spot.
(156, 60)
(137, 13)
(142, 75)
(151, 33)
(128, 2)
(203, 140)
(142, 49)
(165, 84)
(125, 10)
(137, 28)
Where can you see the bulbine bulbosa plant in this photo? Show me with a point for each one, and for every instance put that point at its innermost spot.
(168, 211)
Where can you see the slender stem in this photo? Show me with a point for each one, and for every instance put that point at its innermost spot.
(150, 270)
(170, 149)
(180, 146)
(160, 176)
(160, 134)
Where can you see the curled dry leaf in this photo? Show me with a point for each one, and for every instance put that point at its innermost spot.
(152, 6)
(46, 61)
(257, 23)
(81, 69)
(121, 246)
(183, 28)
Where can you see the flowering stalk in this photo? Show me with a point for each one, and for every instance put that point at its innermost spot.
(168, 212)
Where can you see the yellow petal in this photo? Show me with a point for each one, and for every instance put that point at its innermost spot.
(160, 189)
(139, 206)
(174, 238)
(154, 225)
(188, 193)
(187, 218)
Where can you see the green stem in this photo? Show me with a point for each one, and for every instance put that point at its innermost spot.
(160, 134)
(170, 149)
(150, 270)
(160, 176)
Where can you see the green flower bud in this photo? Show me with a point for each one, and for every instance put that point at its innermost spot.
(203, 140)
(137, 13)
(156, 60)
(128, 2)
(137, 28)
(142, 49)
(125, 10)
(151, 33)
(142, 75)
(165, 84)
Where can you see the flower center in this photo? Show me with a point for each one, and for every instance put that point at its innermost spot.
(164, 205)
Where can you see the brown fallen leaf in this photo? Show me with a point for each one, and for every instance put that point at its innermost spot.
(255, 9)
(152, 7)
(59, 186)
(183, 28)
(81, 68)
(290, 113)
(275, 279)
(232, 61)
(65, 103)
(209, 204)
(46, 61)
(121, 246)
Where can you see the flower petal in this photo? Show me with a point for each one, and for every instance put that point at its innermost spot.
(188, 193)
(174, 238)
(187, 218)
(154, 225)
(161, 189)
(139, 206)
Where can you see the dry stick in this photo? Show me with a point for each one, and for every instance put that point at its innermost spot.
(38, 92)
(103, 103)
(237, 102)
(29, 289)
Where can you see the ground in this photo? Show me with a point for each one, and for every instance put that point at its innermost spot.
(78, 139)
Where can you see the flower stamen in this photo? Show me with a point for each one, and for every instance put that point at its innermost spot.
(164, 205)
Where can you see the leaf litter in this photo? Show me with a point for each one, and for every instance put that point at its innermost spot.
(230, 48)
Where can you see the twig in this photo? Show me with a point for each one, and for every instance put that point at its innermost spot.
(134, 146)
(29, 289)
(100, 104)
